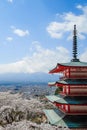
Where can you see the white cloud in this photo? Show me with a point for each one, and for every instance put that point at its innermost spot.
(58, 29)
(83, 56)
(42, 60)
(10, 1)
(20, 32)
(55, 29)
(9, 38)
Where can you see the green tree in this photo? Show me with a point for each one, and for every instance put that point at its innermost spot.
(58, 90)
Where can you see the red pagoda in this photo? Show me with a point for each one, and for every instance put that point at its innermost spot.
(71, 101)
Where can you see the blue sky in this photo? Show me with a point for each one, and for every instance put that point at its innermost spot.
(36, 34)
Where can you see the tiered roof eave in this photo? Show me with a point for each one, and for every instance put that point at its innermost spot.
(61, 83)
(62, 66)
(67, 100)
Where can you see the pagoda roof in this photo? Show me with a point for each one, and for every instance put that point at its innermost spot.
(67, 100)
(72, 82)
(61, 66)
(58, 118)
(53, 117)
(53, 98)
(75, 64)
(68, 81)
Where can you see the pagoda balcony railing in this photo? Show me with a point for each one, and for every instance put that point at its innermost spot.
(73, 112)
(74, 94)
(73, 77)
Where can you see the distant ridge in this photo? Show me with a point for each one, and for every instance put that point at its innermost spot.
(25, 77)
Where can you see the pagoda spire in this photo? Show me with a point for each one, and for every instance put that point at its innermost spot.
(75, 45)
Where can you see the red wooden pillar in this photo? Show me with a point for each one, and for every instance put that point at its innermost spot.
(69, 88)
(68, 108)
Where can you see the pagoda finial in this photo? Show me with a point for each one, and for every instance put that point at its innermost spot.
(75, 44)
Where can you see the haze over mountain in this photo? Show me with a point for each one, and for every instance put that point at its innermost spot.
(25, 77)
